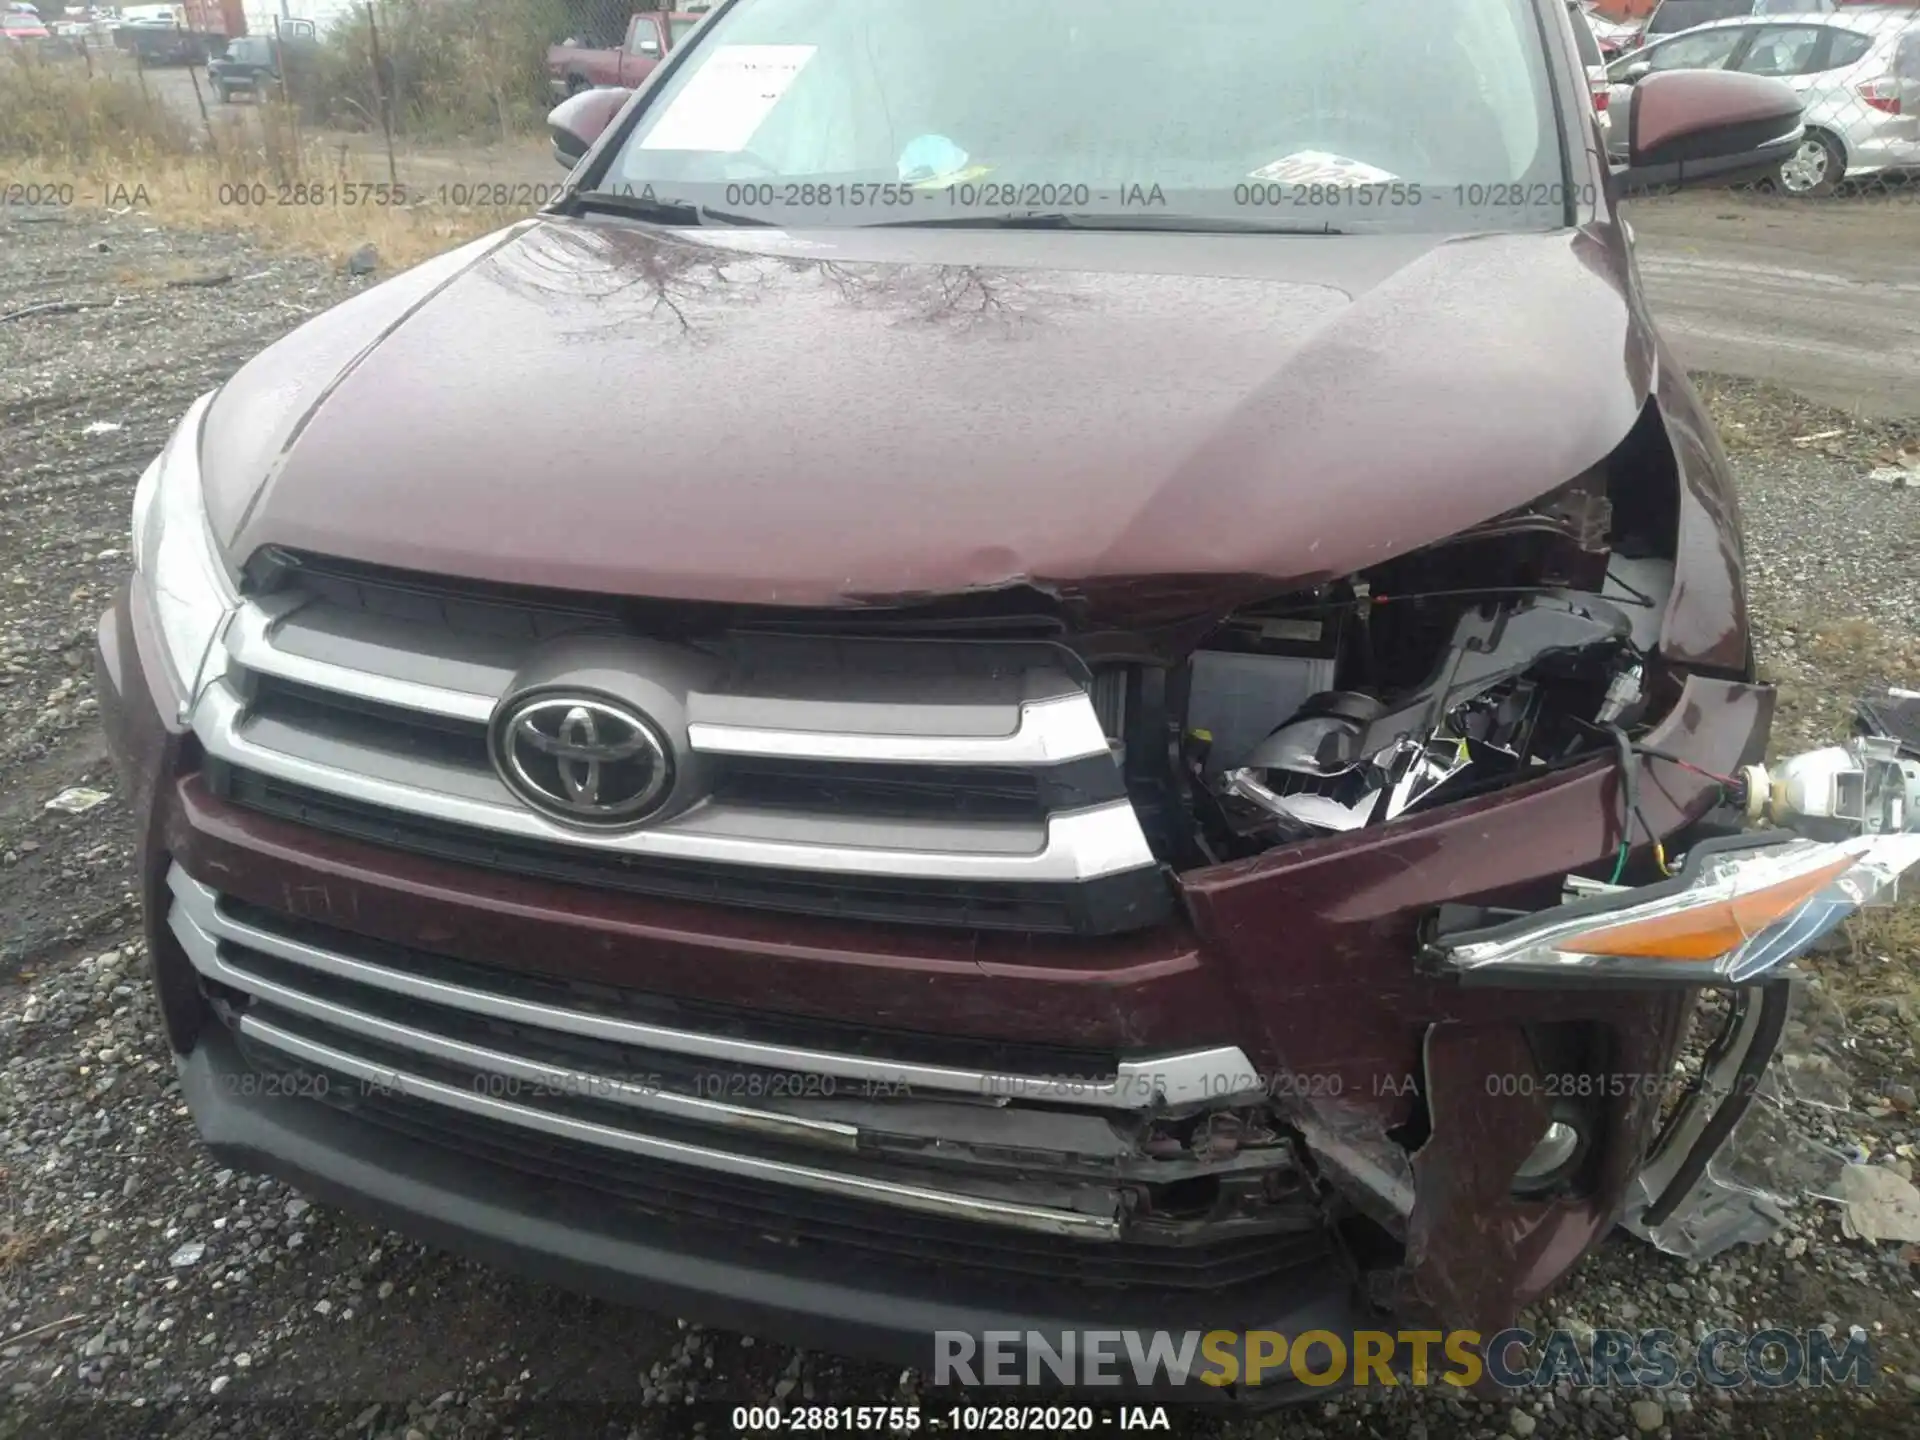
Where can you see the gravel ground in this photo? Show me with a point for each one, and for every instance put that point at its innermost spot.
(145, 1291)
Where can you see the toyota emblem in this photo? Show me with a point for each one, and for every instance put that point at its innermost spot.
(582, 759)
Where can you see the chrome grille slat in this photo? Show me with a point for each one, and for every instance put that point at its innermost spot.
(951, 1204)
(380, 673)
(1173, 1080)
(1049, 731)
(416, 1037)
(204, 950)
(1078, 846)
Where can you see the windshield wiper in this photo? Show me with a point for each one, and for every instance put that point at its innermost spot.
(1061, 220)
(648, 207)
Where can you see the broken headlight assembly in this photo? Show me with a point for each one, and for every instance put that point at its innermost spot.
(177, 567)
(1527, 645)
(1844, 826)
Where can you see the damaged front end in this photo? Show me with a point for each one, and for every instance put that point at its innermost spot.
(1840, 827)
(1513, 649)
(1471, 834)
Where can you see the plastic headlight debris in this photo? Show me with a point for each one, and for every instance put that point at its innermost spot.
(178, 566)
(1739, 909)
(77, 800)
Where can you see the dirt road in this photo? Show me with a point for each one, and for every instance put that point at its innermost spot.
(1821, 297)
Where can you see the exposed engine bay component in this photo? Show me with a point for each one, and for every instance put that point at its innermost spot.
(1494, 644)
(1519, 682)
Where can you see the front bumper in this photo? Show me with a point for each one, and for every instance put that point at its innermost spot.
(1301, 960)
(575, 1240)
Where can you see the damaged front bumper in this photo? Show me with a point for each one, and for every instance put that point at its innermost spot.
(1734, 916)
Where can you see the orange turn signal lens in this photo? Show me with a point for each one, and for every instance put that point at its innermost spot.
(1706, 932)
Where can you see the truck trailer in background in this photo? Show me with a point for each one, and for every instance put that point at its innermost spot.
(192, 32)
(189, 33)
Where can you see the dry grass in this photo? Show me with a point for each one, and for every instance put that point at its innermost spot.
(110, 145)
(16, 1248)
(200, 192)
(1833, 660)
(1753, 417)
(61, 112)
(16, 1245)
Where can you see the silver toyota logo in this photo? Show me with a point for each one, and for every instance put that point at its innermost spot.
(584, 759)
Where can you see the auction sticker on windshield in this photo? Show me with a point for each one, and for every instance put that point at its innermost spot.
(1317, 167)
(726, 99)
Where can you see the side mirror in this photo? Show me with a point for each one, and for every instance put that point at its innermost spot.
(576, 123)
(1701, 127)
(1636, 72)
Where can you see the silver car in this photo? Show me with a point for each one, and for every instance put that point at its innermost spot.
(1858, 70)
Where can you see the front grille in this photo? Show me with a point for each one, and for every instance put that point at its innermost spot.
(778, 1130)
(968, 783)
(1108, 905)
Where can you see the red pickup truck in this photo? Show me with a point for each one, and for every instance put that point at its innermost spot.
(576, 64)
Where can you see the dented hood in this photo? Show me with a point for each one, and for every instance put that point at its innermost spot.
(749, 417)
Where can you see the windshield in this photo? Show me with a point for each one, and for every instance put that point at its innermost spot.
(248, 51)
(853, 112)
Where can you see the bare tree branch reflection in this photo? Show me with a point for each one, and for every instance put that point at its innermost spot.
(961, 297)
(628, 278)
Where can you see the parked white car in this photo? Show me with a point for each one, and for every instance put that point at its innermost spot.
(1858, 71)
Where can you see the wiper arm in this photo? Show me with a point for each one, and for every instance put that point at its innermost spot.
(648, 207)
(1061, 220)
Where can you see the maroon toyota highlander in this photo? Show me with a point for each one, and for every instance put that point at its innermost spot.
(998, 679)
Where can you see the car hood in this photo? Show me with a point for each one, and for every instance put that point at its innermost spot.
(759, 418)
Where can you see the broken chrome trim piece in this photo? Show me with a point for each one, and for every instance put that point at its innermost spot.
(948, 1204)
(1368, 1168)
(1073, 846)
(1192, 1077)
(1676, 1202)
